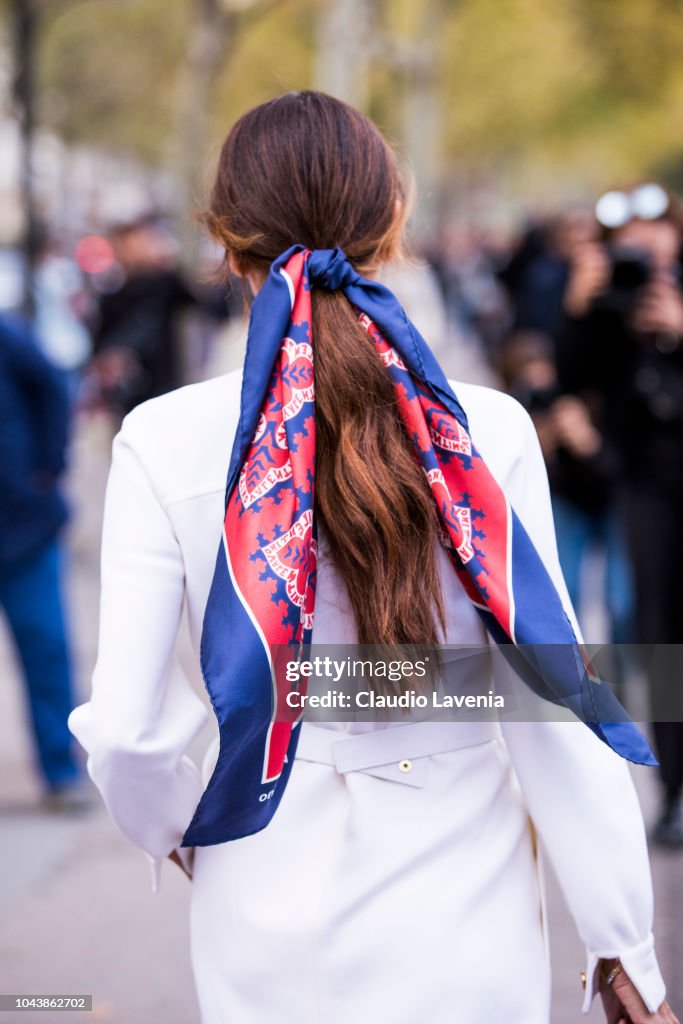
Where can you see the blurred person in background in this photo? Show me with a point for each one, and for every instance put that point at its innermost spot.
(465, 266)
(536, 273)
(621, 338)
(219, 301)
(137, 339)
(33, 441)
(583, 469)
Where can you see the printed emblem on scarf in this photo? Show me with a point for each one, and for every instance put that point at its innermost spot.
(297, 377)
(390, 357)
(387, 354)
(274, 475)
(286, 556)
(296, 370)
(451, 437)
(461, 526)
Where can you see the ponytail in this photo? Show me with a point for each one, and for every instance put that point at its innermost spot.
(372, 497)
(307, 168)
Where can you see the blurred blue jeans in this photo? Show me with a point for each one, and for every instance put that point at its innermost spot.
(578, 534)
(31, 597)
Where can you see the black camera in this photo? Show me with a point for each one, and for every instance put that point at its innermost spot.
(537, 400)
(631, 271)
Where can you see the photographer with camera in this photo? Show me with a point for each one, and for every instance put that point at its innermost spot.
(621, 341)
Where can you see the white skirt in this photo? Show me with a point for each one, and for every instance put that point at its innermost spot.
(385, 893)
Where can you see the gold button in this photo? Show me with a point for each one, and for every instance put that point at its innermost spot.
(582, 975)
(405, 766)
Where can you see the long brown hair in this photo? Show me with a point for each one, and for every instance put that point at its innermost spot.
(306, 168)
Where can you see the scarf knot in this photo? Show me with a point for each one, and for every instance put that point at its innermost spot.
(330, 270)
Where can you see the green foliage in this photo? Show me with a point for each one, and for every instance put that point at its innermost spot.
(273, 55)
(580, 89)
(108, 72)
(576, 90)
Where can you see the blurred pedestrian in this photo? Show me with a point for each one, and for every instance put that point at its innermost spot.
(33, 440)
(137, 342)
(621, 338)
(583, 469)
(465, 264)
(537, 271)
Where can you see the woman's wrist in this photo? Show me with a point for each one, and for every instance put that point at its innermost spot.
(640, 970)
(609, 969)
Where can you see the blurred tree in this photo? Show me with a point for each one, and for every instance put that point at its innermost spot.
(275, 54)
(216, 27)
(345, 45)
(545, 98)
(420, 71)
(108, 71)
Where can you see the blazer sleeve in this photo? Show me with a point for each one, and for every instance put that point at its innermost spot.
(580, 794)
(143, 713)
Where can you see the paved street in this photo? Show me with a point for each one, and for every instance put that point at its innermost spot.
(76, 911)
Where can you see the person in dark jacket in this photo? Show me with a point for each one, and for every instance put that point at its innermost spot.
(137, 342)
(622, 339)
(583, 471)
(536, 273)
(34, 420)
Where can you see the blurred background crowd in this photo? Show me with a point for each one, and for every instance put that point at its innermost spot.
(547, 239)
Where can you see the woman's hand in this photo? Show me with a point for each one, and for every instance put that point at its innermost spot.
(175, 857)
(623, 1004)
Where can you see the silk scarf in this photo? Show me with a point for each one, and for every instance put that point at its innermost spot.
(263, 589)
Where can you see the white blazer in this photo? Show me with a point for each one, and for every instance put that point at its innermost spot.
(162, 526)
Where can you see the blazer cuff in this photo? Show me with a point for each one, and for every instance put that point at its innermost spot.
(640, 963)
